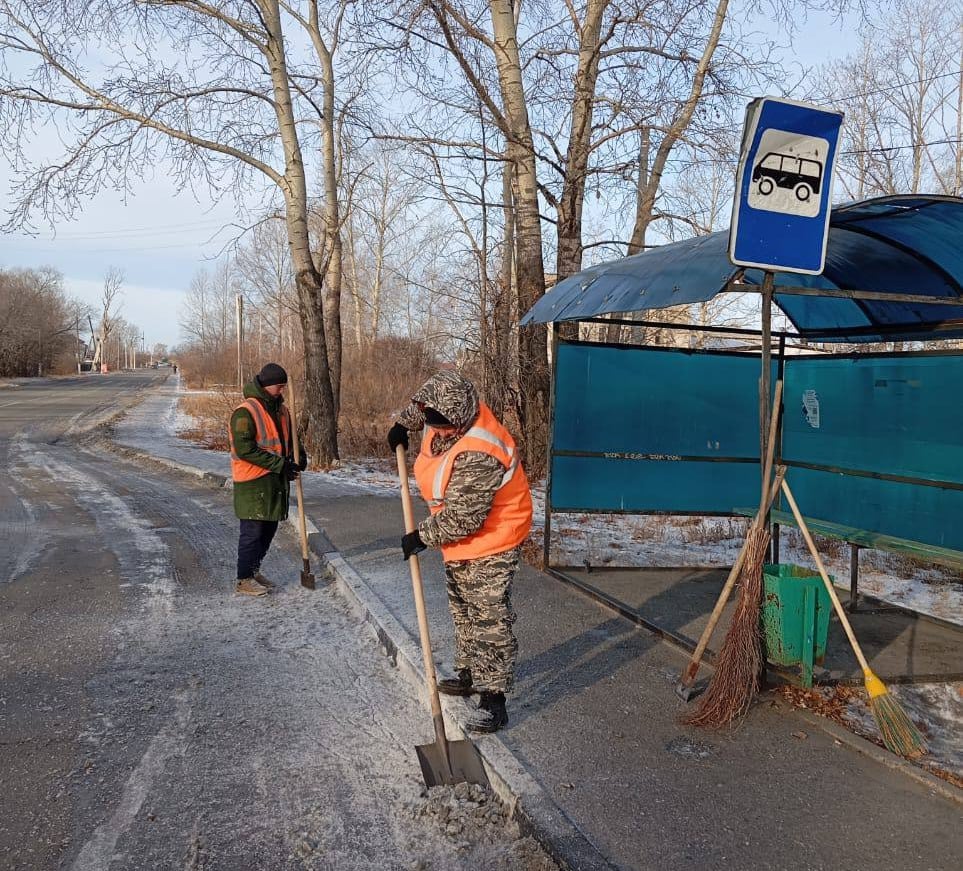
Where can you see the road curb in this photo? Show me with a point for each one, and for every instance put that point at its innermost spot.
(532, 807)
(867, 748)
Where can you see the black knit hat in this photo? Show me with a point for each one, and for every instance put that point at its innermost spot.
(272, 374)
(436, 418)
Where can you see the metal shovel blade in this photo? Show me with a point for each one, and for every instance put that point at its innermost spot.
(466, 764)
(307, 578)
(687, 692)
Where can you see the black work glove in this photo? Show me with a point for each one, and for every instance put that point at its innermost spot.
(291, 470)
(412, 544)
(397, 435)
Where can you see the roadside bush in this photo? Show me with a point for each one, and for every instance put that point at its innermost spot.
(377, 383)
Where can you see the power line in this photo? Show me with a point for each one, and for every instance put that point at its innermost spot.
(923, 81)
(56, 249)
(132, 232)
(884, 148)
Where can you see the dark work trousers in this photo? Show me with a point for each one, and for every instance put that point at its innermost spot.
(252, 544)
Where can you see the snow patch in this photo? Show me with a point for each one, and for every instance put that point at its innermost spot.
(120, 527)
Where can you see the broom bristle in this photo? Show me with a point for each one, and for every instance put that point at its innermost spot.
(736, 677)
(899, 734)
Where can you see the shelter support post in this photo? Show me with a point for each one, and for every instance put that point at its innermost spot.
(765, 385)
(853, 578)
(553, 376)
(765, 377)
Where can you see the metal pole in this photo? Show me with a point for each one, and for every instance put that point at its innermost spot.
(553, 374)
(853, 603)
(240, 340)
(765, 378)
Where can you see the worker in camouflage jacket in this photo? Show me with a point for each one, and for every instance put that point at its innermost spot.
(480, 512)
(262, 467)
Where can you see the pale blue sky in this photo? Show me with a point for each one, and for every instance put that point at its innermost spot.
(160, 238)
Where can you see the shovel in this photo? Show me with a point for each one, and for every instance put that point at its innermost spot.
(307, 578)
(444, 762)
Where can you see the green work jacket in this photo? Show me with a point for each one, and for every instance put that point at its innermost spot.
(267, 497)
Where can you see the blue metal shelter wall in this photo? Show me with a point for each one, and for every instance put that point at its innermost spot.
(896, 416)
(698, 413)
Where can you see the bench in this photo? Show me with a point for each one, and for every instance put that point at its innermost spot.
(861, 538)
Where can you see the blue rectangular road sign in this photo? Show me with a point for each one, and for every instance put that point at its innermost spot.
(780, 215)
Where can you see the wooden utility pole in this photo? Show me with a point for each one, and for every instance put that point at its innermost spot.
(240, 340)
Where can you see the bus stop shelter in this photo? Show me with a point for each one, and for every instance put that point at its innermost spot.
(872, 441)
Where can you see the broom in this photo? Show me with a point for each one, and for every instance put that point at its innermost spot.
(737, 667)
(897, 730)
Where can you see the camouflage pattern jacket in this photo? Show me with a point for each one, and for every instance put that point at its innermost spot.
(475, 477)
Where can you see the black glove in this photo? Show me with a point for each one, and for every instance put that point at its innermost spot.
(412, 543)
(397, 435)
(291, 471)
(304, 462)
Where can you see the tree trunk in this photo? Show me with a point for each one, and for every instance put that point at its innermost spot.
(649, 185)
(319, 408)
(529, 268)
(568, 259)
(332, 230)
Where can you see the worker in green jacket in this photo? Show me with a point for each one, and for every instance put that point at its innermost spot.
(262, 466)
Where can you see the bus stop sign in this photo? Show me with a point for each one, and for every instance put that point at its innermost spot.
(780, 214)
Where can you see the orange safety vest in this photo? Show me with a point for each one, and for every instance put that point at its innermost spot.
(510, 517)
(267, 437)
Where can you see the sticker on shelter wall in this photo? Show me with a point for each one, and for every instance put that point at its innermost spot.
(811, 408)
(787, 173)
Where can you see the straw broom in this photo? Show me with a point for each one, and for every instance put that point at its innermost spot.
(897, 730)
(735, 681)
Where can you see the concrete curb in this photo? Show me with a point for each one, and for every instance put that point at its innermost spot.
(867, 748)
(532, 806)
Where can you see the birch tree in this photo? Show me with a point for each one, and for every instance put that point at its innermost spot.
(208, 85)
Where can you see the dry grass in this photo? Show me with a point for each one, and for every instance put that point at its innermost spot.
(211, 413)
(377, 384)
(531, 550)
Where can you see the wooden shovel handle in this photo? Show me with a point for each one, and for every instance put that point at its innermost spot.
(418, 589)
(302, 525)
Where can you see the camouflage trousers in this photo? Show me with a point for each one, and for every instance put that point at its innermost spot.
(479, 594)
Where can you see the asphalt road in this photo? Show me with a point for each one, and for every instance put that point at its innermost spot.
(149, 719)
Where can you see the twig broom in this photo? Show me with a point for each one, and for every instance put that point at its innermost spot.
(897, 730)
(739, 662)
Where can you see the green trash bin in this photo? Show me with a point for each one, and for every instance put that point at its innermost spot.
(795, 617)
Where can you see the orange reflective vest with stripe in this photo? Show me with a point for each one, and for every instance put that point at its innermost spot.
(510, 517)
(267, 437)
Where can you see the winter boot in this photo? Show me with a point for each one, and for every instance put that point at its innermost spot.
(457, 686)
(249, 587)
(267, 583)
(491, 714)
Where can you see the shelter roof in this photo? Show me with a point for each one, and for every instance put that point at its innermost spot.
(906, 245)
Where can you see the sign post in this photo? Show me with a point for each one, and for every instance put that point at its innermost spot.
(780, 214)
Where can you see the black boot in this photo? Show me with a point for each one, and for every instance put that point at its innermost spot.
(491, 714)
(457, 686)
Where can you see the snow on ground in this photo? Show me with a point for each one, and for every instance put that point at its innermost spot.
(616, 540)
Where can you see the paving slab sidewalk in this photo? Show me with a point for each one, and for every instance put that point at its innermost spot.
(593, 724)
